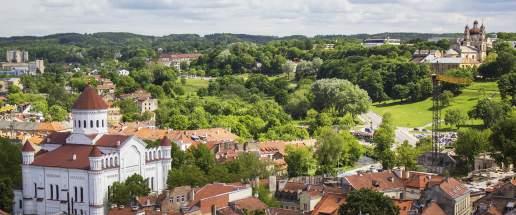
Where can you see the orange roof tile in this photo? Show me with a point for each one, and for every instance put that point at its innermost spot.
(50, 127)
(251, 204)
(404, 205)
(377, 181)
(453, 187)
(433, 209)
(329, 204)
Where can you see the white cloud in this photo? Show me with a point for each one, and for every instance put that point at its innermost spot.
(269, 17)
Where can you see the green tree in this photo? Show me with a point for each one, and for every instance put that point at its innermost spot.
(406, 156)
(204, 159)
(366, 201)
(58, 113)
(490, 111)
(507, 87)
(336, 150)
(470, 143)
(503, 141)
(300, 161)
(186, 175)
(6, 189)
(446, 97)
(455, 117)
(123, 193)
(341, 95)
(383, 139)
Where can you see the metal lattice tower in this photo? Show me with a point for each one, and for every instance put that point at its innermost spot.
(436, 117)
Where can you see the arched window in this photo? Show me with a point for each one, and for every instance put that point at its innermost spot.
(91, 123)
(97, 123)
(102, 123)
(103, 164)
(78, 123)
(116, 161)
(146, 155)
(84, 123)
(111, 162)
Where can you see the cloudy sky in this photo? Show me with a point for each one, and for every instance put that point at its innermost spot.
(265, 17)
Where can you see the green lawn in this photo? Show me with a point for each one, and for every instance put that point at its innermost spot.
(193, 85)
(420, 113)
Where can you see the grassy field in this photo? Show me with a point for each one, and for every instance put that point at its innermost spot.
(193, 85)
(420, 113)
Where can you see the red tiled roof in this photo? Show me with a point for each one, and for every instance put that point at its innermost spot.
(377, 181)
(89, 100)
(433, 209)
(294, 186)
(251, 204)
(165, 142)
(57, 137)
(62, 157)
(329, 204)
(453, 187)
(111, 140)
(27, 147)
(95, 152)
(210, 190)
(404, 205)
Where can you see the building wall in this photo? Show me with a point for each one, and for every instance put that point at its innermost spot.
(94, 184)
(95, 121)
(241, 194)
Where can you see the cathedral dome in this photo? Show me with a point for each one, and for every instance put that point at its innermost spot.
(89, 100)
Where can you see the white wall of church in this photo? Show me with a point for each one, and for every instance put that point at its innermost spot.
(90, 121)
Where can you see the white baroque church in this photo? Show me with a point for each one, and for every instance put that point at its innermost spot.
(73, 171)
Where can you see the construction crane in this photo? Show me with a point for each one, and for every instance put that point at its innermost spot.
(436, 109)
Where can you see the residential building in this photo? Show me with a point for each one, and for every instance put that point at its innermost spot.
(73, 171)
(501, 200)
(143, 99)
(114, 115)
(445, 162)
(329, 204)
(17, 63)
(175, 60)
(451, 195)
(17, 56)
(380, 42)
(220, 198)
(5, 83)
(275, 151)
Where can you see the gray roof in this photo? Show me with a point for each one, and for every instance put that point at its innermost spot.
(24, 126)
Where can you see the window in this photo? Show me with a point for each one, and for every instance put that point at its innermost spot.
(84, 123)
(75, 211)
(82, 213)
(78, 123)
(91, 123)
(75, 123)
(177, 199)
(182, 198)
(51, 191)
(97, 123)
(305, 207)
(102, 123)
(35, 191)
(20, 203)
(82, 196)
(57, 192)
(152, 183)
(75, 195)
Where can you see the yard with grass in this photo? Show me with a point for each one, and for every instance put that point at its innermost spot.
(419, 114)
(193, 85)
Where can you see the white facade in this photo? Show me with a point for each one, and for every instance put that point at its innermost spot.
(70, 177)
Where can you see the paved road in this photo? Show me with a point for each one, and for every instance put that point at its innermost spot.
(402, 133)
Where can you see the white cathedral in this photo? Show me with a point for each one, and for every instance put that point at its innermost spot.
(73, 171)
